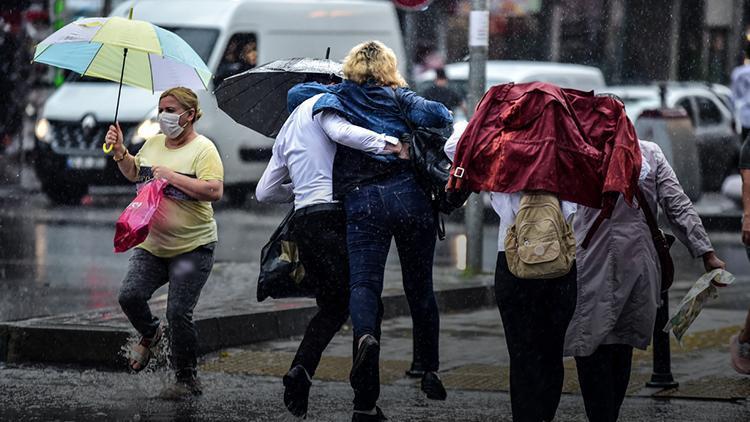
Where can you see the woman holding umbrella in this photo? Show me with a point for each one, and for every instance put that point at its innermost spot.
(179, 249)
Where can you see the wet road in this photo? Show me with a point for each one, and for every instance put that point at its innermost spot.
(59, 259)
(43, 394)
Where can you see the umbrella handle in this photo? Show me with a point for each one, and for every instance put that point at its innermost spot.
(106, 149)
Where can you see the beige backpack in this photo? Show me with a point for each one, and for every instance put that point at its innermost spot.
(540, 244)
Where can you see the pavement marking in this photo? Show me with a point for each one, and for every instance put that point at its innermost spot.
(487, 377)
(700, 340)
(711, 388)
(331, 368)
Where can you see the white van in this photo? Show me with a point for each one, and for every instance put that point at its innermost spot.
(76, 116)
(566, 75)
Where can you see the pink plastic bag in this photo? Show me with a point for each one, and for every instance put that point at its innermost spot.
(132, 226)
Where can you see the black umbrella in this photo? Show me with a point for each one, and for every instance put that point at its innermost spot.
(257, 98)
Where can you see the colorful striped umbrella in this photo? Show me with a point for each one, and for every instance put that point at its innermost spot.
(126, 51)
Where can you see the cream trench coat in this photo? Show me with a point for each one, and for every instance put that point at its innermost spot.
(619, 273)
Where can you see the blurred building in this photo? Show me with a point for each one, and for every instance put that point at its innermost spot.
(632, 41)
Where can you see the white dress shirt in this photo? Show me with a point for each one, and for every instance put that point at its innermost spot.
(303, 152)
(506, 205)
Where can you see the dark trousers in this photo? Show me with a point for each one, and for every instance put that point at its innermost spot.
(186, 275)
(604, 377)
(394, 208)
(535, 315)
(321, 239)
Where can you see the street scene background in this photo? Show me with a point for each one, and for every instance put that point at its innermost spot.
(59, 278)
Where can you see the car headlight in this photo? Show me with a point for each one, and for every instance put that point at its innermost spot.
(42, 130)
(146, 129)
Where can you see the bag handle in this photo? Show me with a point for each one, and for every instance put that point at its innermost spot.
(653, 225)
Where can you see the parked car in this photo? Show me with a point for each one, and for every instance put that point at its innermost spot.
(75, 118)
(566, 75)
(714, 123)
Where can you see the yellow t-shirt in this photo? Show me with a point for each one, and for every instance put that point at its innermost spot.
(181, 223)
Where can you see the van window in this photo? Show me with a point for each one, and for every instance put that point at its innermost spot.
(202, 40)
(708, 112)
(688, 106)
(240, 55)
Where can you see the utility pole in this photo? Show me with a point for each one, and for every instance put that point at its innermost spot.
(478, 41)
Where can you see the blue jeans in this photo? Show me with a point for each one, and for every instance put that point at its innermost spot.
(393, 208)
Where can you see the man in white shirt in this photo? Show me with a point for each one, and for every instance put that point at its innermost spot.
(304, 153)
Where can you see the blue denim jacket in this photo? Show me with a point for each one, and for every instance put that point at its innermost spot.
(373, 106)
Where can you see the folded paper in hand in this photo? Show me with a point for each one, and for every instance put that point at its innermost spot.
(688, 310)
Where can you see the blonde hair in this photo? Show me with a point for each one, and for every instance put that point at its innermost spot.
(187, 99)
(373, 60)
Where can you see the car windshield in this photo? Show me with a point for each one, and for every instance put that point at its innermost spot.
(202, 40)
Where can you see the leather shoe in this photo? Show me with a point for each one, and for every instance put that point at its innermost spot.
(364, 417)
(432, 386)
(297, 390)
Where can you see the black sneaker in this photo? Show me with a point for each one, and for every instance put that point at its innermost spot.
(365, 417)
(297, 390)
(186, 386)
(433, 387)
(415, 371)
(365, 366)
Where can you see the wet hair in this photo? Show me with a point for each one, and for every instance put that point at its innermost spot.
(186, 98)
(373, 61)
(440, 74)
(612, 96)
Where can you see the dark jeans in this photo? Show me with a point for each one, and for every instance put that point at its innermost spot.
(604, 378)
(186, 275)
(535, 315)
(321, 236)
(393, 208)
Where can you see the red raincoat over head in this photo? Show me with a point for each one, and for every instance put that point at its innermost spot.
(540, 137)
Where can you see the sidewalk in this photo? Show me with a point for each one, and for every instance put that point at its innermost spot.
(474, 358)
(227, 315)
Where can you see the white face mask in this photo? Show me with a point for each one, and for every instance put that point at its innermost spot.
(170, 123)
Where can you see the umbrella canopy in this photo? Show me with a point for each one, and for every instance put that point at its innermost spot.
(257, 98)
(156, 58)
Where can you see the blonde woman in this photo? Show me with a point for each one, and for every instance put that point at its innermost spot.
(383, 200)
(179, 249)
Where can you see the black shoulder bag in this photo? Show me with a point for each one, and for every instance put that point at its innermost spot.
(432, 167)
(281, 272)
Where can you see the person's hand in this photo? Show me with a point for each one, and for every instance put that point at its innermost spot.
(114, 140)
(712, 262)
(746, 231)
(161, 172)
(400, 149)
(404, 152)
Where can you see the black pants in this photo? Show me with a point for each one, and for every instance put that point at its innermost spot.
(320, 232)
(186, 275)
(535, 315)
(604, 378)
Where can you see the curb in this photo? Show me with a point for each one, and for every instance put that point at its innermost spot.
(35, 341)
